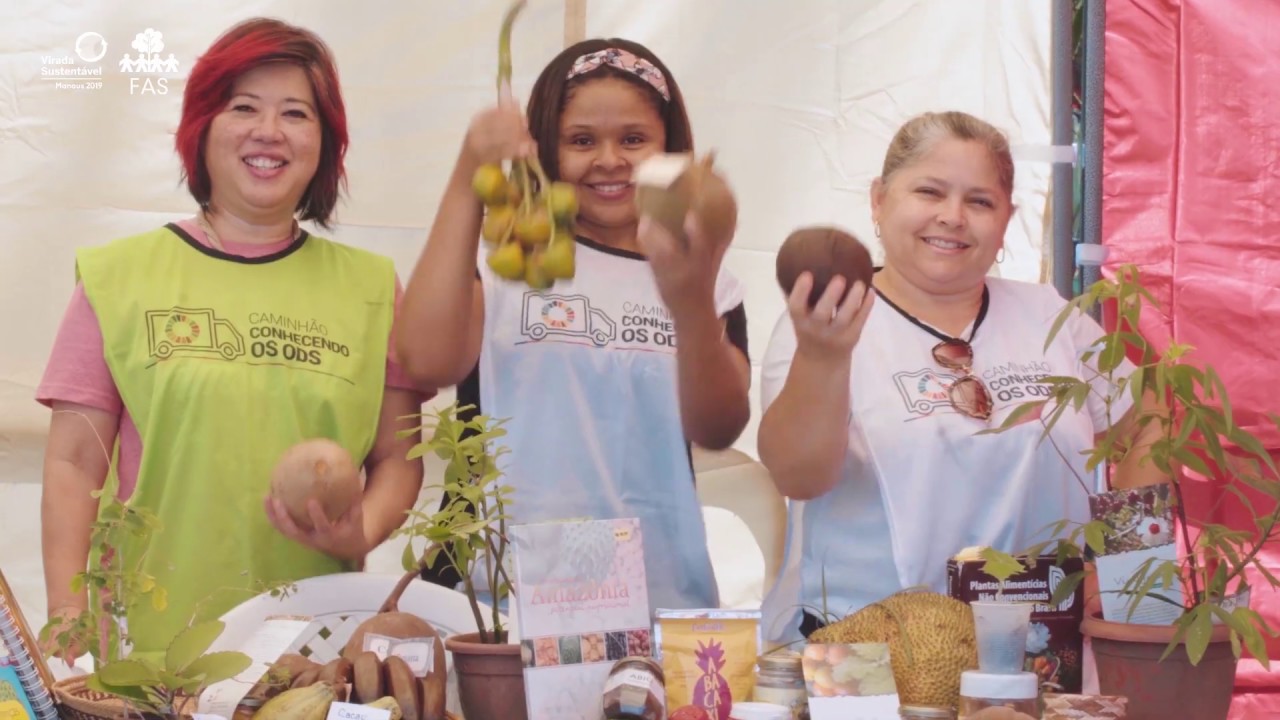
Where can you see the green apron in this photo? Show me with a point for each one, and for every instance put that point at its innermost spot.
(223, 363)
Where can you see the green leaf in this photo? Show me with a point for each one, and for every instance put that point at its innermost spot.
(1112, 354)
(1198, 633)
(1066, 588)
(1014, 417)
(191, 643)
(133, 693)
(1000, 565)
(218, 666)
(1063, 315)
(129, 673)
(1095, 535)
(408, 560)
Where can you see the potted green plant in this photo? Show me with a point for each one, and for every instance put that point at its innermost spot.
(469, 533)
(163, 685)
(1151, 664)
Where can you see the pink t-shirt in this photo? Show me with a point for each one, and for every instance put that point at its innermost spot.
(77, 371)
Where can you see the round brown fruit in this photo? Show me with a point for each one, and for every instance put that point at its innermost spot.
(318, 468)
(669, 186)
(825, 252)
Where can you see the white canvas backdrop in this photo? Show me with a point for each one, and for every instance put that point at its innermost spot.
(798, 97)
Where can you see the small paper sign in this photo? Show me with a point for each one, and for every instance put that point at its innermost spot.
(418, 653)
(350, 711)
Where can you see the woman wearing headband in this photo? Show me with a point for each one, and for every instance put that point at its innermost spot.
(600, 421)
(873, 403)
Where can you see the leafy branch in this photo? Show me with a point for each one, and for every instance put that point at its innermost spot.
(1185, 412)
(470, 531)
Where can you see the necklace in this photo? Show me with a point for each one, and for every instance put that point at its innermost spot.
(982, 314)
(202, 220)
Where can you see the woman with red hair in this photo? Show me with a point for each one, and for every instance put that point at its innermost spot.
(209, 346)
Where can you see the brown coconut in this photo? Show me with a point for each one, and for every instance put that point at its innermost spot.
(390, 622)
(319, 468)
(825, 252)
(670, 185)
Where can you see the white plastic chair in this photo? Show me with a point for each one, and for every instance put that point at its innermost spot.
(338, 603)
(731, 480)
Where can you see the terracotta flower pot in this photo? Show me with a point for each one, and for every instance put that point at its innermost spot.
(1128, 661)
(490, 678)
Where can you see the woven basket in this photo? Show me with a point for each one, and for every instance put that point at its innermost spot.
(77, 702)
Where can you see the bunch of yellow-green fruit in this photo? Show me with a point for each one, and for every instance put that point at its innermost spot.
(529, 231)
(528, 220)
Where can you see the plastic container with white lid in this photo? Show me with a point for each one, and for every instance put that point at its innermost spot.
(759, 711)
(1017, 691)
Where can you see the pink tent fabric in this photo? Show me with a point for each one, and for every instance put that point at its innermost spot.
(1191, 195)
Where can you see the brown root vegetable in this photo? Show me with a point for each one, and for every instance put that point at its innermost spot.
(403, 685)
(825, 252)
(337, 672)
(306, 678)
(289, 666)
(390, 622)
(318, 468)
(433, 696)
(368, 677)
(670, 186)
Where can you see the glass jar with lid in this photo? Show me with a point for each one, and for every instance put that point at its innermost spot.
(780, 680)
(635, 690)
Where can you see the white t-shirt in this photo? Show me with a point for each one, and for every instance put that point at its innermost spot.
(918, 484)
(586, 373)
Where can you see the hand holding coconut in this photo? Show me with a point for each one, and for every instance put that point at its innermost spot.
(826, 274)
(688, 217)
(316, 499)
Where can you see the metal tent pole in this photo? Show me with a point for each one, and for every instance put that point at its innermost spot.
(1095, 25)
(1062, 205)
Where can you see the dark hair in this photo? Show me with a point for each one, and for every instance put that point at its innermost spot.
(552, 90)
(245, 47)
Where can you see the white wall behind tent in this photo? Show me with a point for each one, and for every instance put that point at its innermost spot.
(798, 97)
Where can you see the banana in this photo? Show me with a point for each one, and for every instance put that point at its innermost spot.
(433, 696)
(302, 703)
(404, 687)
(387, 703)
(368, 677)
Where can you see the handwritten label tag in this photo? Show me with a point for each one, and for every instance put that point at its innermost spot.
(349, 711)
(380, 645)
(418, 654)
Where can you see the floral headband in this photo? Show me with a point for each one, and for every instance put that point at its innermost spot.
(625, 61)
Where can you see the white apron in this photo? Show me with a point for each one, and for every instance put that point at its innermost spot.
(919, 485)
(586, 372)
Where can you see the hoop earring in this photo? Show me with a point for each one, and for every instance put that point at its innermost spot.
(1000, 255)
(877, 229)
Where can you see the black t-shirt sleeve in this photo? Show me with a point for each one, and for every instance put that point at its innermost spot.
(736, 329)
